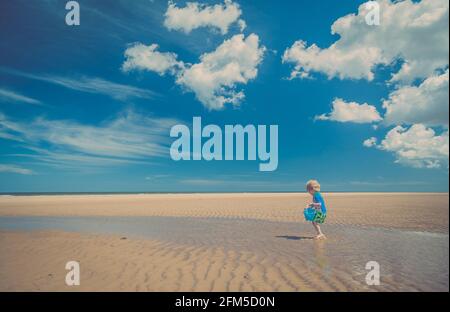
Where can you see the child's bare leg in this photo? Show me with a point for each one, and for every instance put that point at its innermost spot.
(318, 230)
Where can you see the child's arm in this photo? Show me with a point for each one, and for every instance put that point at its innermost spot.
(316, 205)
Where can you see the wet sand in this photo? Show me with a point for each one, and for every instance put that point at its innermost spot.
(223, 242)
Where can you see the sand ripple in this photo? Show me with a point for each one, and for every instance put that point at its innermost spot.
(214, 254)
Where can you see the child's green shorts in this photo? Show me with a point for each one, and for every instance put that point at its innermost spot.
(320, 217)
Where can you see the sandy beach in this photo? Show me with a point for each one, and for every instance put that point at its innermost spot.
(223, 242)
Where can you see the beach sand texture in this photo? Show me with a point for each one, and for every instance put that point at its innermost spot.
(223, 242)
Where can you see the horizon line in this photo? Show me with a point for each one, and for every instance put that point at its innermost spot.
(205, 192)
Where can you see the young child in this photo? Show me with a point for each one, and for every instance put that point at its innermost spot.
(313, 188)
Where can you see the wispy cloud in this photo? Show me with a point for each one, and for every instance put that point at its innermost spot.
(387, 183)
(15, 169)
(156, 177)
(12, 96)
(128, 138)
(241, 183)
(92, 85)
(68, 160)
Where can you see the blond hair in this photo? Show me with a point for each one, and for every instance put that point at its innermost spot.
(313, 185)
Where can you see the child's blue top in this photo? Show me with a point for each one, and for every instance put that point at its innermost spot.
(317, 198)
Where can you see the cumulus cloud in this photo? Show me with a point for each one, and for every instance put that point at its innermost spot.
(351, 112)
(333, 62)
(215, 79)
(141, 57)
(370, 142)
(195, 15)
(426, 103)
(417, 146)
(414, 32)
(129, 137)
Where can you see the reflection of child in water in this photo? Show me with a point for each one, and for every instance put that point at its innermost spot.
(313, 188)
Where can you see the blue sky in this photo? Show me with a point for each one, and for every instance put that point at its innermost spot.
(72, 119)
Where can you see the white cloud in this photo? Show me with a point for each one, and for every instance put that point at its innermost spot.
(242, 25)
(334, 61)
(415, 32)
(92, 85)
(417, 146)
(412, 34)
(195, 15)
(11, 96)
(351, 112)
(15, 169)
(215, 78)
(426, 103)
(141, 57)
(129, 137)
(370, 142)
